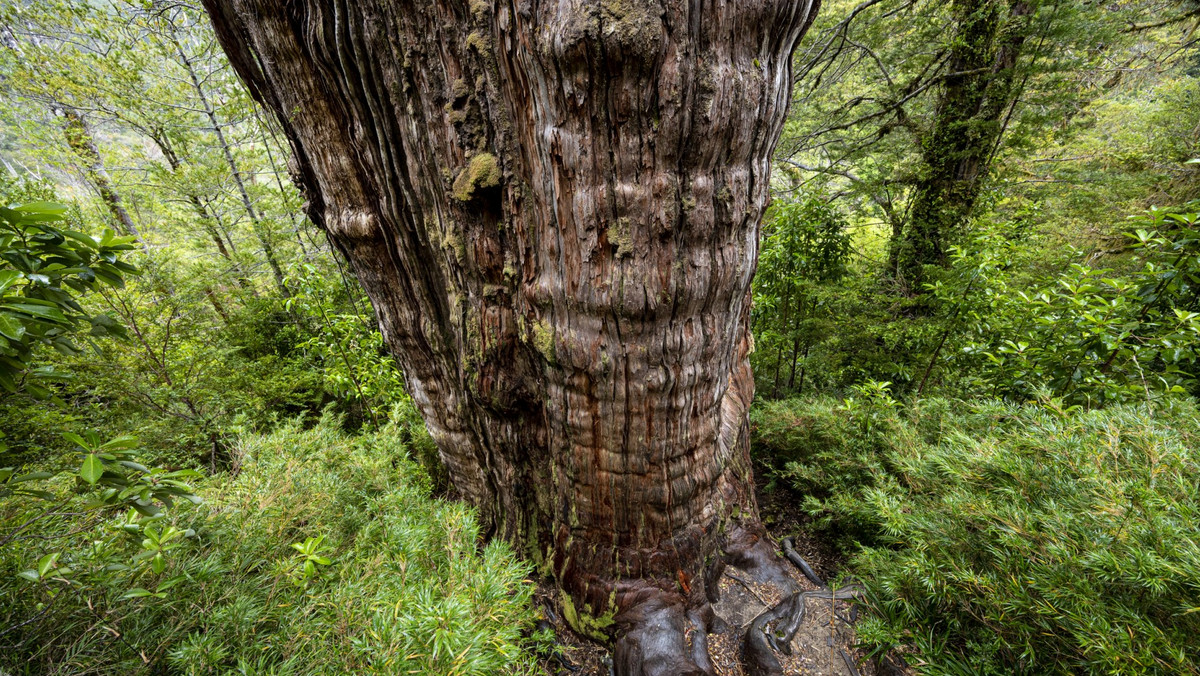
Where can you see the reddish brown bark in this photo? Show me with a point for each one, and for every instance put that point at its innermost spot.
(554, 207)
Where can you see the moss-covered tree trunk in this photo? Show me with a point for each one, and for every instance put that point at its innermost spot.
(975, 99)
(554, 207)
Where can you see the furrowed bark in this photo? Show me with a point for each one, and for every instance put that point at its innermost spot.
(554, 207)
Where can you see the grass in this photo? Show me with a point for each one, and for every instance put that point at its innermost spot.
(1010, 539)
(406, 587)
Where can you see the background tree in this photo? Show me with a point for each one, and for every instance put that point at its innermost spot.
(913, 102)
(980, 87)
(805, 249)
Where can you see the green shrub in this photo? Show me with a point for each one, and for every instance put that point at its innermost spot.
(805, 252)
(323, 554)
(826, 448)
(1089, 333)
(45, 267)
(1011, 539)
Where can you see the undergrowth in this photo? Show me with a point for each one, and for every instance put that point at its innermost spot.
(994, 538)
(325, 554)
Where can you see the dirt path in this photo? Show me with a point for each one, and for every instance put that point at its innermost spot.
(824, 636)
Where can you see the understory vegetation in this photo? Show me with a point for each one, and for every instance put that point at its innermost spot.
(1001, 538)
(322, 554)
(993, 416)
(976, 326)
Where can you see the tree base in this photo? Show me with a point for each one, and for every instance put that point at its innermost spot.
(763, 617)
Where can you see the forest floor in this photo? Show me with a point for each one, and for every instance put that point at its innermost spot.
(781, 513)
(823, 646)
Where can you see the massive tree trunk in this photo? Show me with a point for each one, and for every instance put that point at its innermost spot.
(971, 114)
(554, 207)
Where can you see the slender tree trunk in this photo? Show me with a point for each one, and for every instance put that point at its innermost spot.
(80, 140)
(255, 222)
(967, 125)
(778, 371)
(216, 303)
(803, 370)
(268, 135)
(207, 220)
(554, 208)
(796, 343)
(786, 322)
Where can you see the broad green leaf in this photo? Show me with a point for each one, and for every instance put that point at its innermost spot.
(33, 476)
(42, 208)
(11, 327)
(123, 441)
(82, 238)
(40, 311)
(146, 509)
(92, 469)
(134, 466)
(49, 373)
(6, 380)
(46, 563)
(8, 278)
(37, 391)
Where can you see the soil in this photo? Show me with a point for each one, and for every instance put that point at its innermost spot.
(780, 510)
(823, 646)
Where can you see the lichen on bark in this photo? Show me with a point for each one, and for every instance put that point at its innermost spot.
(482, 172)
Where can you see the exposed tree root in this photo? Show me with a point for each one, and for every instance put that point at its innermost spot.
(656, 644)
(769, 633)
(773, 631)
(666, 634)
(792, 555)
(849, 662)
(547, 624)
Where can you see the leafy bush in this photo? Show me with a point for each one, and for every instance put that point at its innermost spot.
(345, 344)
(1093, 335)
(44, 267)
(323, 555)
(826, 448)
(805, 249)
(824, 318)
(1006, 539)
